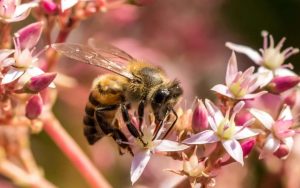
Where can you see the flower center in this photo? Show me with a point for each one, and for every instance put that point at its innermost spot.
(272, 58)
(237, 90)
(226, 129)
(23, 59)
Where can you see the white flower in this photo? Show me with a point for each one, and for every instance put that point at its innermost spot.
(224, 130)
(271, 59)
(279, 130)
(23, 61)
(143, 155)
(13, 11)
(239, 85)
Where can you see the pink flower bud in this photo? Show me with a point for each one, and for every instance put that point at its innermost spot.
(247, 146)
(199, 119)
(34, 107)
(29, 36)
(282, 152)
(49, 6)
(283, 83)
(38, 83)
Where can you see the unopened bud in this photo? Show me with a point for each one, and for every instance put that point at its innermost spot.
(282, 152)
(199, 119)
(283, 83)
(38, 83)
(34, 107)
(49, 6)
(247, 146)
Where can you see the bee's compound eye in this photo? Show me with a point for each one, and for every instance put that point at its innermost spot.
(161, 95)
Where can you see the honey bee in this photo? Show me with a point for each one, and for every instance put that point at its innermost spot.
(133, 82)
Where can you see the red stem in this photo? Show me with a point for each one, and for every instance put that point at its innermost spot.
(63, 140)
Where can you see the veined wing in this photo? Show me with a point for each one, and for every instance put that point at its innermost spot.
(93, 56)
(108, 51)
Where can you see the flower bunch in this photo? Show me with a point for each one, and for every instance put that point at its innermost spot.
(27, 89)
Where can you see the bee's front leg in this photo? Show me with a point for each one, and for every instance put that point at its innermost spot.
(141, 109)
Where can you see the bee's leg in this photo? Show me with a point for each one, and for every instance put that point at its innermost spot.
(100, 118)
(121, 139)
(174, 122)
(90, 132)
(141, 115)
(131, 128)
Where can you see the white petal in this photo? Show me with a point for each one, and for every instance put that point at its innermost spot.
(271, 144)
(234, 149)
(11, 76)
(214, 111)
(8, 62)
(24, 8)
(284, 72)
(34, 71)
(252, 54)
(4, 53)
(139, 162)
(286, 113)
(204, 137)
(254, 95)
(168, 145)
(232, 69)
(223, 90)
(263, 117)
(66, 4)
(244, 132)
(289, 142)
(212, 123)
(264, 76)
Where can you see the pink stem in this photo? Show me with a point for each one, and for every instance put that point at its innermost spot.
(63, 140)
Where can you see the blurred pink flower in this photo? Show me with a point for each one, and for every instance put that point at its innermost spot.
(199, 118)
(224, 130)
(23, 61)
(280, 131)
(13, 11)
(239, 85)
(34, 107)
(282, 83)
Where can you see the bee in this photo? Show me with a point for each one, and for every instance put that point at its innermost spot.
(133, 82)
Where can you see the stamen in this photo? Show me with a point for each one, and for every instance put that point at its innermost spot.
(265, 40)
(271, 41)
(16, 41)
(286, 51)
(280, 44)
(294, 51)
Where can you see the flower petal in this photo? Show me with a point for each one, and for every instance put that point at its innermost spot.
(66, 4)
(271, 145)
(232, 69)
(11, 76)
(264, 76)
(263, 117)
(204, 137)
(289, 142)
(286, 113)
(244, 132)
(252, 54)
(30, 35)
(8, 62)
(24, 8)
(284, 72)
(4, 53)
(223, 90)
(254, 95)
(214, 111)
(168, 145)
(34, 71)
(234, 149)
(139, 162)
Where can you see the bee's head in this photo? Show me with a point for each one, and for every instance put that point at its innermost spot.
(164, 99)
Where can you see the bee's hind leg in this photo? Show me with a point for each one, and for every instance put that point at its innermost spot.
(141, 109)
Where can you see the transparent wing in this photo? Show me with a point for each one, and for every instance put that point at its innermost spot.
(96, 57)
(108, 51)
